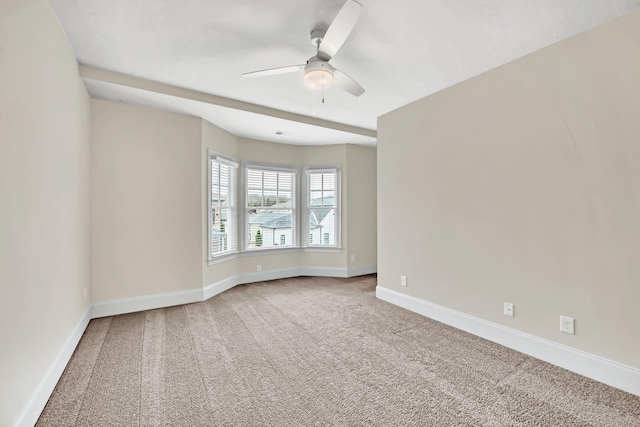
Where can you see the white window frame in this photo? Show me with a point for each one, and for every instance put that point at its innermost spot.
(306, 208)
(233, 208)
(244, 216)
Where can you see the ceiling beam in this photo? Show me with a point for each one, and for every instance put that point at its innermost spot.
(112, 77)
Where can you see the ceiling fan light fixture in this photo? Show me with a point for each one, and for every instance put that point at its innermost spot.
(318, 78)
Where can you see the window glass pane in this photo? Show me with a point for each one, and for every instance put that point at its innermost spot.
(285, 181)
(322, 220)
(224, 196)
(284, 199)
(215, 171)
(328, 198)
(270, 209)
(315, 181)
(224, 176)
(270, 197)
(254, 179)
(267, 226)
(215, 195)
(254, 197)
(270, 179)
(224, 229)
(329, 181)
(220, 231)
(316, 198)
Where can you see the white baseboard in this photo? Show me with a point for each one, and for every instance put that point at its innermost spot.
(241, 279)
(323, 272)
(217, 288)
(33, 410)
(600, 369)
(169, 299)
(362, 271)
(267, 275)
(146, 302)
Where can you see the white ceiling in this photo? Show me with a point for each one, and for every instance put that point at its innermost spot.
(399, 51)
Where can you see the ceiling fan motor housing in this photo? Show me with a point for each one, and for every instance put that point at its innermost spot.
(318, 73)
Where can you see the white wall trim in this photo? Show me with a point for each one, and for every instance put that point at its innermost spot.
(323, 271)
(595, 367)
(146, 302)
(362, 271)
(267, 275)
(150, 302)
(214, 289)
(241, 279)
(33, 410)
(322, 249)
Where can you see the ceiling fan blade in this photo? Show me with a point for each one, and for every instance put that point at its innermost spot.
(274, 71)
(339, 29)
(346, 83)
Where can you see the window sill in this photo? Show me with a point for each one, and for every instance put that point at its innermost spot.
(332, 249)
(270, 251)
(222, 258)
(262, 252)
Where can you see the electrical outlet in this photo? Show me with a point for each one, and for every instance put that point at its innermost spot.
(403, 280)
(508, 309)
(259, 267)
(84, 294)
(567, 324)
(353, 258)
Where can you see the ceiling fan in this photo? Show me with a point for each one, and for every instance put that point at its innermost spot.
(318, 73)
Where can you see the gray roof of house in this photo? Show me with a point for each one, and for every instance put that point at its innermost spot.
(320, 208)
(323, 201)
(271, 219)
(279, 219)
(318, 215)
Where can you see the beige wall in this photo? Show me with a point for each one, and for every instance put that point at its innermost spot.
(44, 197)
(360, 182)
(521, 185)
(251, 150)
(146, 201)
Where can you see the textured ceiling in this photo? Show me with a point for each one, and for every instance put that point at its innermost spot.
(399, 51)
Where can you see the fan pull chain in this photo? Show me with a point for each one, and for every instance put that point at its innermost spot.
(323, 82)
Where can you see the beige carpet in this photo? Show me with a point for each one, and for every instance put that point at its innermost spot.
(313, 351)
